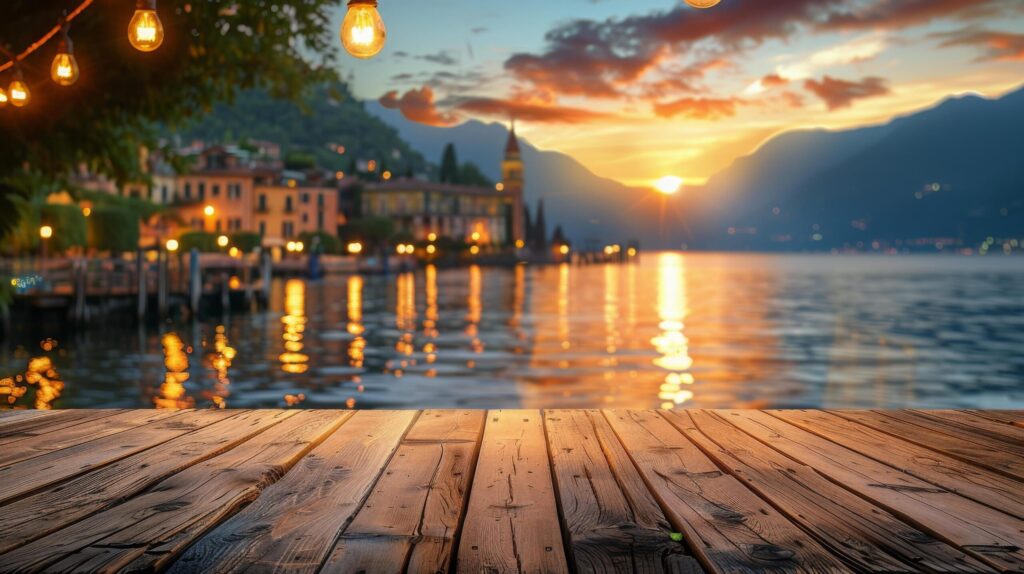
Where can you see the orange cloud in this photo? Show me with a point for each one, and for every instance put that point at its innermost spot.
(838, 93)
(1003, 46)
(418, 105)
(698, 108)
(530, 111)
(773, 81)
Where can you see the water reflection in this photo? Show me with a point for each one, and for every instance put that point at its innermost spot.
(673, 330)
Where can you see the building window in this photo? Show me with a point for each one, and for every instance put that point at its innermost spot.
(320, 221)
(287, 229)
(320, 200)
(215, 190)
(305, 218)
(238, 224)
(202, 191)
(163, 194)
(262, 202)
(288, 204)
(263, 228)
(188, 191)
(305, 198)
(218, 226)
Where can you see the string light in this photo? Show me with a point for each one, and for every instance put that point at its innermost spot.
(3, 98)
(18, 91)
(363, 32)
(64, 70)
(145, 31)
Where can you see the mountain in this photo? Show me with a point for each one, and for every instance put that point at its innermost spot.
(953, 171)
(591, 209)
(310, 131)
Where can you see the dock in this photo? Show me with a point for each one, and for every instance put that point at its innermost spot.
(689, 491)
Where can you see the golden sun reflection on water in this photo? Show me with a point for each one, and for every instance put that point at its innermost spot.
(172, 394)
(293, 361)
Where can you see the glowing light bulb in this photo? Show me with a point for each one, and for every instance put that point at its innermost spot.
(145, 31)
(172, 245)
(64, 70)
(363, 32)
(222, 241)
(18, 92)
(702, 3)
(46, 232)
(3, 98)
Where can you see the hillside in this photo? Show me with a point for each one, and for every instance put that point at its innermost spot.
(329, 117)
(953, 171)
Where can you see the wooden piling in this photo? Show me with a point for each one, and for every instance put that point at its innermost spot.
(140, 281)
(267, 275)
(195, 276)
(161, 282)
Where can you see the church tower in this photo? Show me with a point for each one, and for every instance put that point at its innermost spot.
(512, 185)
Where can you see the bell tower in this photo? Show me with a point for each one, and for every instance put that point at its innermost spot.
(512, 185)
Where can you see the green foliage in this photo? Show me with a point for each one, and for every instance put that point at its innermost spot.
(470, 174)
(245, 241)
(204, 241)
(322, 241)
(372, 230)
(313, 127)
(210, 55)
(69, 226)
(299, 160)
(449, 165)
(113, 228)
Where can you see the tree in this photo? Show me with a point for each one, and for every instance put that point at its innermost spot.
(558, 236)
(540, 228)
(124, 96)
(449, 165)
(470, 174)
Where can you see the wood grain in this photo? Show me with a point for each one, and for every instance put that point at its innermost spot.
(985, 427)
(512, 521)
(612, 522)
(147, 531)
(987, 534)
(56, 421)
(975, 482)
(864, 536)
(411, 518)
(33, 517)
(726, 525)
(292, 527)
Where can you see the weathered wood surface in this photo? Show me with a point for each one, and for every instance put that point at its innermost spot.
(512, 491)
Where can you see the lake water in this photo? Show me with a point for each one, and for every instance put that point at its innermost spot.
(693, 330)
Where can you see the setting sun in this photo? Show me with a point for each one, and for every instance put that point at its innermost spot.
(669, 184)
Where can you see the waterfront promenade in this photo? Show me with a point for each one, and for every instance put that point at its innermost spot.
(512, 491)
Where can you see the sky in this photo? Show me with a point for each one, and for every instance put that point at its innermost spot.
(642, 89)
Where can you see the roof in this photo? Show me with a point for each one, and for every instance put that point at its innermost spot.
(512, 147)
(405, 184)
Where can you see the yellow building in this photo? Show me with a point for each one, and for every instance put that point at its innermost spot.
(288, 208)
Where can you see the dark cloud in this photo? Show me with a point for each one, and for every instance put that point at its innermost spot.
(442, 58)
(698, 108)
(997, 45)
(838, 93)
(418, 105)
(895, 14)
(529, 111)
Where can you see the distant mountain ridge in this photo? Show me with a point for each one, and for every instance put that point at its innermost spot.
(954, 171)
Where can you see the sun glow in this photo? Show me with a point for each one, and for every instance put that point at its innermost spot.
(668, 185)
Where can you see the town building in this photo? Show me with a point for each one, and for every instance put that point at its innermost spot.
(473, 214)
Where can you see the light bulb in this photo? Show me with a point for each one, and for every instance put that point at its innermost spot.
(145, 31)
(702, 3)
(64, 70)
(3, 98)
(18, 93)
(362, 32)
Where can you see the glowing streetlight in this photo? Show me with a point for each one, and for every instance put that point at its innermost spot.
(290, 246)
(520, 244)
(172, 245)
(474, 249)
(431, 249)
(234, 252)
(432, 237)
(223, 241)
(300, 247)
(46, 232)
(209, 211)
(564, 249)
(355, 248)
(475, 236)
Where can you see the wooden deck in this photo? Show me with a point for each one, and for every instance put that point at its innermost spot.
(512, 491)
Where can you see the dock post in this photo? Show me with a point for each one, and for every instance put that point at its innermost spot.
(267, 272)
(195, 281)
(81, 271)
(161, 282)
(247, 280)
(140, 280)
(225, 293)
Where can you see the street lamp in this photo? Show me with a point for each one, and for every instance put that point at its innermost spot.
(172, 245)
(355, 248)
(45, 233)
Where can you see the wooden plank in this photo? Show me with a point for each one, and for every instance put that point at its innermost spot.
(965, 432)
(294, 524)
(982, 426)
(955, 446)
(611, 520)
(9, 418)
(728, 527)
(58, 421)
(33, 517)
(41, 471)
(32, 446)
(412, 517)
(147, 531)
(512, 522)
(863, 535)
(986, 534)
(986, 487)
(1009, 417)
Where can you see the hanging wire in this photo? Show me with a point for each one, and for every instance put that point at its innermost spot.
(46, 38)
